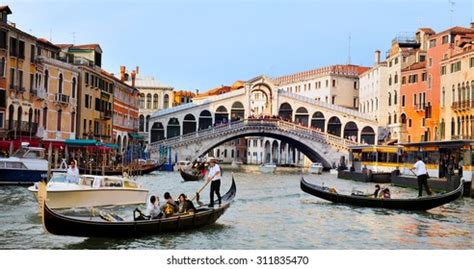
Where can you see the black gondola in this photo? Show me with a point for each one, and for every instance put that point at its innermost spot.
(423, 203)
(59, 224)
(189, 177)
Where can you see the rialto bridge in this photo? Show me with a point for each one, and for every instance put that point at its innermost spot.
(320, 130)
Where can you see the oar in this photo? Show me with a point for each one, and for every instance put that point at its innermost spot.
(200, 190)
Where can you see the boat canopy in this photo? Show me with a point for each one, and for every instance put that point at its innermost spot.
(136, 136)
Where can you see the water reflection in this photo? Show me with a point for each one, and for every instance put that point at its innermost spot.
(270, 212)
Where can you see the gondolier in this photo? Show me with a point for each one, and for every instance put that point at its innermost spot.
(422, 176)
(215, 177)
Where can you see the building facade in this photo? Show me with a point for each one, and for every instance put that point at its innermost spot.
(336, 84)
(373, 100)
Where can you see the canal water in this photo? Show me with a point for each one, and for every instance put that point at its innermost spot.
(269, 212)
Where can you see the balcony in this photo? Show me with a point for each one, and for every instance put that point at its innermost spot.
(106, 115)
(420, 107)
(61, 99)
(17, 88)
(39, 93)
(23, 127)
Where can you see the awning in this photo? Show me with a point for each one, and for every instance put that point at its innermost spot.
(136, 136)
(5, 144)
(112, 146)
(54, 144)
(80, 142)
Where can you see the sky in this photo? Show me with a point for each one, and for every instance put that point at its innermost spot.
(207, 43)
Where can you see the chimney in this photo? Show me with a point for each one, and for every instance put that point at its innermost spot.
(137, 69)
(472, 25)
(377, 57)
(197, 91)
(133, 74)
(122, 73)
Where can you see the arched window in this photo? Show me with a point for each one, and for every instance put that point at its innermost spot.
(45, 117)
(60, 83)
(142, 100)
(389, 99)
(141, 123)
(155, 101)
(73, 121)
(166, 101)
(148, 101)
(395, 97)
(46, 80)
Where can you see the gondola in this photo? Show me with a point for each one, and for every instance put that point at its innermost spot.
(113, 226)
(415, 204)
(146, 169)
(189, 177)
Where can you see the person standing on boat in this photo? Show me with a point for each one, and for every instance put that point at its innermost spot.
(73, 172)
(422, 177)
(214, 177)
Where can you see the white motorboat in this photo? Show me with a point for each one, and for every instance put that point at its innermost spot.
(236, 164)
(26, 166)
(316, 168)
(268, 168)
(89, 190)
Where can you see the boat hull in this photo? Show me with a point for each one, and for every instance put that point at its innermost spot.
(415, 204)
(93, 197)
(189, 177)
(315, 170)
(59, 224)
(22, 176)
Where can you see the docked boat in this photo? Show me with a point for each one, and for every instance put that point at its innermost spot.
(190, 177)
(268, 168)
(143, 169)
(316, 168)
(184, 165)
(26, 166)
(113, 226)
(89, 191)
(236, 164)
(415, 204)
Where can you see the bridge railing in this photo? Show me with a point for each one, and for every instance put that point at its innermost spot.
(276, 123)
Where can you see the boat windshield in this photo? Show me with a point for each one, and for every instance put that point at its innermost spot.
(59, 178)
(27, 153)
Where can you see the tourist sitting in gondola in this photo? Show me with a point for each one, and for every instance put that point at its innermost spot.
(185, 205)
(170, 207)
(153, 209)
(386, 193)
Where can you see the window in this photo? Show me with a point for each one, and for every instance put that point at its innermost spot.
(389, 119)
(20, 78)
(423, 76)
(21, 49)
(333, 101)
(455, 67)
(12, 78)
(73, 121)
(395, 97)
(327, 83)
(390, 80)
(403, 100)
(389, 99)
(443, 98)
(87, 78)
(148, 101)
(73, 87)
(155, 101)
(395, 80)
(443, 70)
(471, 62)
(60, 112)
(409, 122)
(355, 85)
(60, 83)
(46, 79)
(414, 99)
(2, 67)
(432, 43)
(32, 82)
(445, 39)
(87, 104)
(32, 53)
(13, 47)
(422, 58)
(404, 80)
(396, 60)
(45, 118)
(334, 83)
(142, 100)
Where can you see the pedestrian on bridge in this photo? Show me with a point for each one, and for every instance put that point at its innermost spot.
(214, 176)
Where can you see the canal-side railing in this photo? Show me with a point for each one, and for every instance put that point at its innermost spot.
(260, 124)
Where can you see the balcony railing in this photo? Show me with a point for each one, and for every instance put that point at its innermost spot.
(106, 114)
(23, 127)
(40, 93)
(462, 105)
(61, 98)
(420, 107)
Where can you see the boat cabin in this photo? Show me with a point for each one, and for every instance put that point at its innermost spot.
(96, 181)
(375, 158)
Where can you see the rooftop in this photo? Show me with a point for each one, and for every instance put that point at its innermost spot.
(344, 70)
(148, 82)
